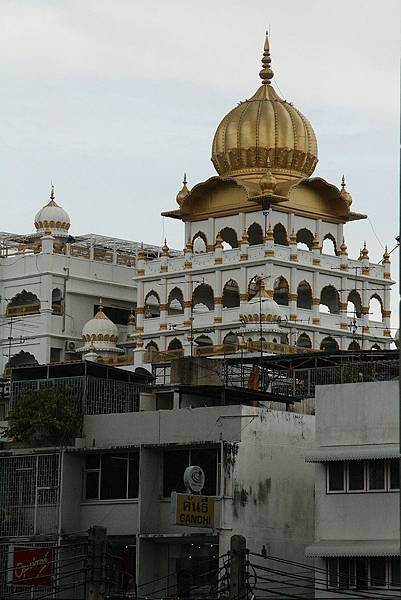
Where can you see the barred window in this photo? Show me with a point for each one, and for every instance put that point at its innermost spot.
(111, 476)
(362, 573)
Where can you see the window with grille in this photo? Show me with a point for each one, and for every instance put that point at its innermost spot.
(363, 573)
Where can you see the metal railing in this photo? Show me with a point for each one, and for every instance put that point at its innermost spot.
(29, 495)
(94, 395)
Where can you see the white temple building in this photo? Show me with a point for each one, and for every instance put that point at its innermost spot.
(50, 285)
(263, 218)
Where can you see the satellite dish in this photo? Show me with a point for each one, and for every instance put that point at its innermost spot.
(194, 479)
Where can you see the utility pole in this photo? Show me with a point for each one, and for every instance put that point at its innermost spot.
(96, 563)
(237, 568)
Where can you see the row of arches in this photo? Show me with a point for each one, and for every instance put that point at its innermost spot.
(27, 303)
(328, 344)
(203, 299)
(255, 237)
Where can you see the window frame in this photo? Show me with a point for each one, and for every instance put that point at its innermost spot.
(333, 569)
(367, 489)
(98, 470)
(188, 449)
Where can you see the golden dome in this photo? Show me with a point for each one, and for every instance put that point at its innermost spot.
(264, 128)
(184, 191)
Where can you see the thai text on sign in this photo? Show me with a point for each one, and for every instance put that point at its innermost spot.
(193, 510)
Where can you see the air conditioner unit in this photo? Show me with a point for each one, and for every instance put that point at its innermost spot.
(70, 346)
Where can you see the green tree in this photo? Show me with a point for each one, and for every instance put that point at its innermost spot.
(45, 417)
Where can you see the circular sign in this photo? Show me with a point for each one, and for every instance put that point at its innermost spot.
(194, 479)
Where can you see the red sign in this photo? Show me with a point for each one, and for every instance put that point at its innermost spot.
(32, 566)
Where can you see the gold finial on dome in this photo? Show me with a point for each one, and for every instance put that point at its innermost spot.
(343, 248)
(141, 252)
(165, 248)
(184, 191)
(52, 195)
(386, 255)
(131, 318)
(365, 251)
(268, 182)
(266, 74)
(269, 233)
(100, 314)
(344, 192)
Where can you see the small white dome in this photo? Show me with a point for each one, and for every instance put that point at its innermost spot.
(100, 334)
(262, 308)
(52, 218)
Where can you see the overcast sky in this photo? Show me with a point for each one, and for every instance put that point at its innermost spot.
(114, 99)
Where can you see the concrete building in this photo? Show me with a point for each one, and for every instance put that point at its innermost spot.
(135, 444)
(357, 488)
(51, 284)
(263, 217)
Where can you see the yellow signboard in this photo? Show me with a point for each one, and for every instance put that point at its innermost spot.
(192, 510)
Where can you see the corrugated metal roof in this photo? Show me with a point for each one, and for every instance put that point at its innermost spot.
(327, 548)
(331, 453)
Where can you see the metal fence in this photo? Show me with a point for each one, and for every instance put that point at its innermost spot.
(304, 381)
(29, 495)
(93, 395)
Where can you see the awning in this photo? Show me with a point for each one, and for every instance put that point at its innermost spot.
(332, 548)
(329, 453)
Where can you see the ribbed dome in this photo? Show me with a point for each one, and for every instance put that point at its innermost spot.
(52, 218)
(100, 334)
(262, 129)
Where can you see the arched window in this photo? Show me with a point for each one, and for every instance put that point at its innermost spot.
(280, 291)
(329, 344)
(280, 235)
(354, 346)
(231, 294)
(23, 303)
(354, 304)
(152, 305)
(304, 341)
(304, 239)
(175, 302)
(199, 243)
(203, 298)
(152, 347)
(304, 295)
(21, 359)
(231, 339)
(375, 308)
(329, 299)
(329, 245)
(229, 238)
(175, 344)
(375, 347)
(203, 340)
(253, 287)
(255, 234)
(57, 297)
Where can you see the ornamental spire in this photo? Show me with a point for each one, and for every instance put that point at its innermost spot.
(266, 74)
(52, 196)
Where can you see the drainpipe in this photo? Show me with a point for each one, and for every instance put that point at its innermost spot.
(66, 276)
